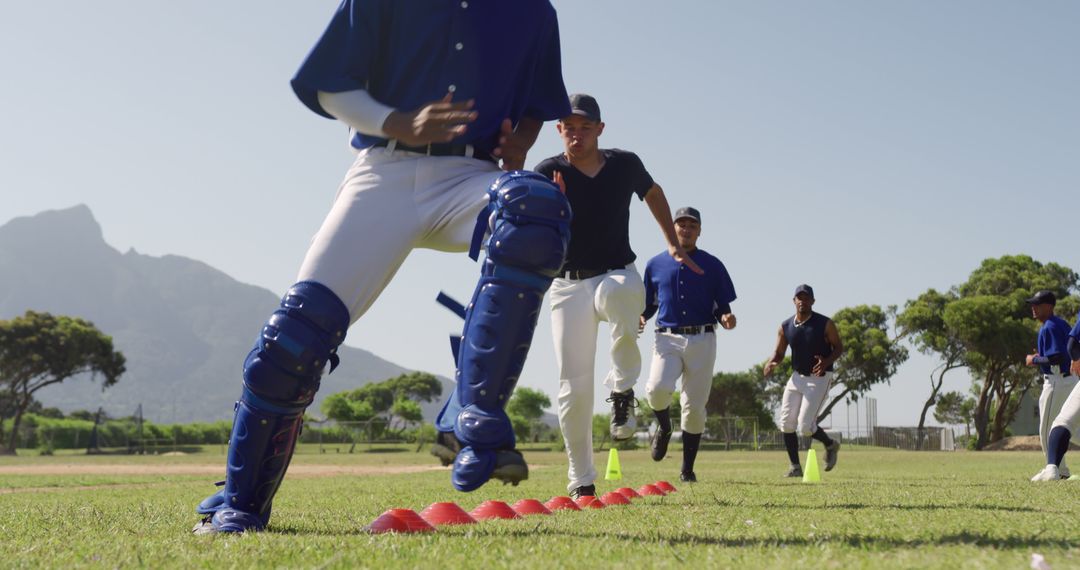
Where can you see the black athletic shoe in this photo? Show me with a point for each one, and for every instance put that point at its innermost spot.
(688, 477)
(830, 455)
(510, 467)
(582, 491)
(446, 447)
(794, 471)
(659, 444)
(622, 417)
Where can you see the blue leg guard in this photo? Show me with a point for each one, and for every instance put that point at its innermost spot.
(281, 376)
(530, 230)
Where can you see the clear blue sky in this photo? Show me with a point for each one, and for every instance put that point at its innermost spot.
(871, 149)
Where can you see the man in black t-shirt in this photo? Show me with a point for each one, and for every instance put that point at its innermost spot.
(599, 281)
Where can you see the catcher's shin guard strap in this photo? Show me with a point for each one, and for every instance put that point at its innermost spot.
(472, 468)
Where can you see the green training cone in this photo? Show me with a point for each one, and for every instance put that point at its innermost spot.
(811, 474)
(614, 472)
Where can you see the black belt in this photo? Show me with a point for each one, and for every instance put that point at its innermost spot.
(687, 330)
(443, 149)
(586, 273)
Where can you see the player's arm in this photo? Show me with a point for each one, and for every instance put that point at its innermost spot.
(436, 122)
(651, 305)
(1074, 355)
(515, 142)
(660, 209)
(832, 334)
(778, 353)
(723, 295)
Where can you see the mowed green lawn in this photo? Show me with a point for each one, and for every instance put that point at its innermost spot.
(879, 508)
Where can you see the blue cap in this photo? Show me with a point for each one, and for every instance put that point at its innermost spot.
(804, 288)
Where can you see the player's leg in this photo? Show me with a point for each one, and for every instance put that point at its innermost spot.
(573, 330)
(815, 392)
(1056, 389)
(790, 404)
(699, 357)
(339, 279)
(529, 224)
(666, 367)
(620, 299)
(1061, 431)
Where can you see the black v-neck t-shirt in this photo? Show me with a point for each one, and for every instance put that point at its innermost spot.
(600, 228)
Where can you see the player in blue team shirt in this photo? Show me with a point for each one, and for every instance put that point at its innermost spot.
(689, 304)
(1052, 358)
(435, 95)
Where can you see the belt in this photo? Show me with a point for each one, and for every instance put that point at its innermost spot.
(687, 330)
(586, 273)
(439, 149)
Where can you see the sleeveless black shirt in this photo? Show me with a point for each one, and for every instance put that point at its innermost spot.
(807, 340)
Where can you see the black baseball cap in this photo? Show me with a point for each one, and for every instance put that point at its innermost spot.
(804, 288)
(688, 212)
(1041, 297)
(585, 106)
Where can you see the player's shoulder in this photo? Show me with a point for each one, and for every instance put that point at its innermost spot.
(659, 260)
(620, 155)
(551, 164)
(703, 256)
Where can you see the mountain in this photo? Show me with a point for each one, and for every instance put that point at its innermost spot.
(183, 326)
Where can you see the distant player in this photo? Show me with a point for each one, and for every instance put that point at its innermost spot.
(689, 305)
(435, 94)
(1052, 357)
(599, 281)
(815, 346)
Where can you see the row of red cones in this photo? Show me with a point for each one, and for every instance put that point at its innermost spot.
(438, 514)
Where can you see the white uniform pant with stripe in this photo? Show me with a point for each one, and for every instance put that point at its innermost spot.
(388, 204)
(1056, 389)
(803, 399)
(577, 308)
(692, 357)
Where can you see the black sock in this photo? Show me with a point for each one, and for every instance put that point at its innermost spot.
(690, 443)
(1057, 443)
(823, 437)
(663, 417)
(791, 443)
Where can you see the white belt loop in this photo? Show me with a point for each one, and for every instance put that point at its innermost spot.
(391, 145)
(468, 151)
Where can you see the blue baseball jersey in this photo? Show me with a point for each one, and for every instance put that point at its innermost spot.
(1053, 343)
(1075, 332)
(683, 297)
(408, 53)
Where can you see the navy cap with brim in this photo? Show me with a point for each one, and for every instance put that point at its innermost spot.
(804, 289)
(1043, 297)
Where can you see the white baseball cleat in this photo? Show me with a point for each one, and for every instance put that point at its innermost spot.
(1048, 473)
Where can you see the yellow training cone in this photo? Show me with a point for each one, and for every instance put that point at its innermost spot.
(811, 474)
(614, 472)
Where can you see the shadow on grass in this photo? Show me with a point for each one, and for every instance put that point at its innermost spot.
(882, 507)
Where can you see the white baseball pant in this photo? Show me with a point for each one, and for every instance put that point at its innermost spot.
(692, 357)
(577, 308)
(389, 203)
(803, 399)
(1055, 391)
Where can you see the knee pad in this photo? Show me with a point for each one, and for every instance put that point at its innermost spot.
(284, 367)
(484, 428)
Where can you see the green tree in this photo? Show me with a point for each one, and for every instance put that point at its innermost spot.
(527, 405)
(954, 408)
(738, 394)
(870, 355)
(408, 411)
(922, 323)
(39, 349)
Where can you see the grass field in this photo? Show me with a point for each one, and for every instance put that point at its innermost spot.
(879, 509)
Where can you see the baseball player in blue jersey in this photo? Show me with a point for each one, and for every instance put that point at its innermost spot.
(434, 94)
(1053, 359)
(689, 305)
(599, 282)
(815, 346)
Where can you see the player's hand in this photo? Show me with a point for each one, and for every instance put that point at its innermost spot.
(769, 367)
(819, 366)
(557, 178)
(1075, 368)
(641, 324)
(728, 321)
(437, 122)
(682, 257)
(512, 147)
(1030, 360)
